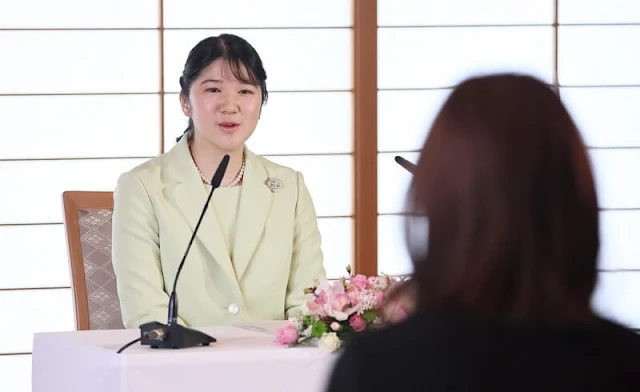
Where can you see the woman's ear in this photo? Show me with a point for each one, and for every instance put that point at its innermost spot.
(184, 104)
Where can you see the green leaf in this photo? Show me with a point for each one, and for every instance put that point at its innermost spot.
(369, 315)
(319, 328)
(307, 320)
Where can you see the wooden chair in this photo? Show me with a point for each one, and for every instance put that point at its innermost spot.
(87, 219)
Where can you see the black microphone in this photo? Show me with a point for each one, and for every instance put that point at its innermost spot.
(409, 166)
(172, 334)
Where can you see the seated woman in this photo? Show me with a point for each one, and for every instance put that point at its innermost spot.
(503, 281)
(258, 245)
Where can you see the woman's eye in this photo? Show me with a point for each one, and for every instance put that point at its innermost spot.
(213, 90)
(246, 92)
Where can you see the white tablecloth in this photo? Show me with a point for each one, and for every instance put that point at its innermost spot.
(241, 360)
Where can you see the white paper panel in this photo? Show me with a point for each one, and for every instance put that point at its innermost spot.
(463, 12)
(598, 11)
(73, 14)
(598, 55)
(617, 178)
(79, 62)
(404, 117)
(251, 13)
(291, 123)
(337, 245)
(393, 182)
(393, 257)
(442, 57)
(33, 256)
(606, 117)
(329, 179)
(34, 311)
(34, 188)
(80, 126)
(619, 240)
(292, 63)
(15, 373)
(616, 296)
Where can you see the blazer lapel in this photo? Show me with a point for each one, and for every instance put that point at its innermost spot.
(253, 211)
(189, 195)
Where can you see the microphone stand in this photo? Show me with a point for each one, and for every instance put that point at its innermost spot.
(173, 335)
(408, 166)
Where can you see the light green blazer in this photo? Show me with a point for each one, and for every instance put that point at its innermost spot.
(276, 254)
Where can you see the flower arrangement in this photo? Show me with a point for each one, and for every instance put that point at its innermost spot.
(337, 310)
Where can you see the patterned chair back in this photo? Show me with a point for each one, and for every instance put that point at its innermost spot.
(88, 227)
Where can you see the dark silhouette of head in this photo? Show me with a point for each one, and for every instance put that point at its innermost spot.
(505, 190)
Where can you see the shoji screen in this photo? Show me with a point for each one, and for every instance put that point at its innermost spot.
(79, 104)
(586, 47)
(599, 78)
(424, 48)
(88, 89)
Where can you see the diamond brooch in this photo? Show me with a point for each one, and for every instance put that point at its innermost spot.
(274, 184)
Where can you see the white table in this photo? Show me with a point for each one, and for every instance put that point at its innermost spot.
(241, 360)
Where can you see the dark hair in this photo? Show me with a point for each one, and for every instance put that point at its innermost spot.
(244, 61)
(505, 187)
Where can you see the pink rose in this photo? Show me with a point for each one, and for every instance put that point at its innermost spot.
(335, 326)
(360, 282)
(358, 323)
(286, 335)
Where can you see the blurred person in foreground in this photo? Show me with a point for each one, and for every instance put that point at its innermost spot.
(503, 280)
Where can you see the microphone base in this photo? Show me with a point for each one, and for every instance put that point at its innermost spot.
(175, 336)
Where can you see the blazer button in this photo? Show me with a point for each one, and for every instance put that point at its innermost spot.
(233, 308)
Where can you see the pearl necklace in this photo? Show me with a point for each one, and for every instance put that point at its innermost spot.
(236, 179)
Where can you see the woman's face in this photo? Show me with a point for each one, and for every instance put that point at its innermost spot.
(224, 110)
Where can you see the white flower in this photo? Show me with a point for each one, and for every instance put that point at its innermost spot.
(307, 332)
(367, 301)
(297, 312)
(380, 283)
(296, 322)
(330, 342)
